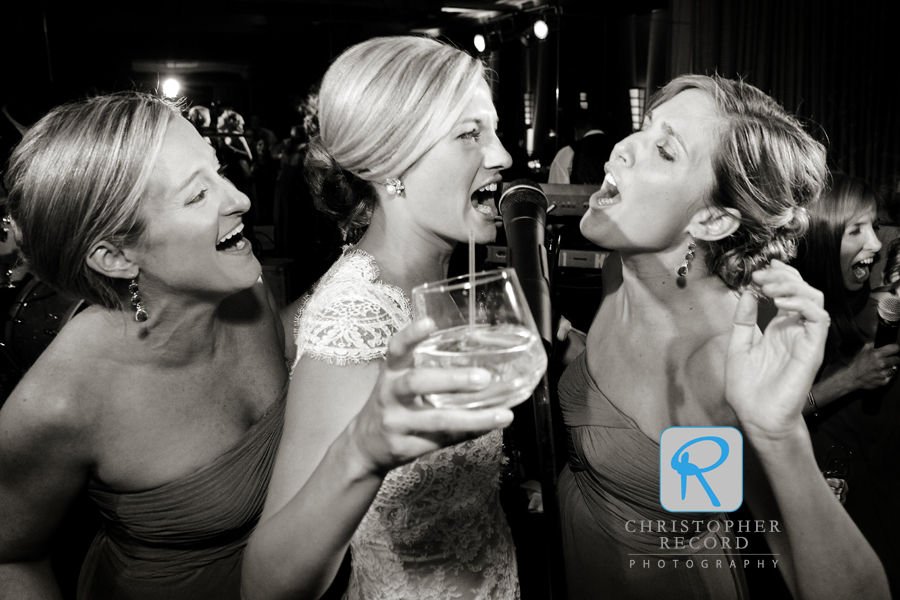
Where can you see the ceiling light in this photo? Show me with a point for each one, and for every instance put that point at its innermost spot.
(170, 88)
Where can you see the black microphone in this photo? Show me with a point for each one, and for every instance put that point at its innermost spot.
(888, 321)
(886, 333)
(523, 207)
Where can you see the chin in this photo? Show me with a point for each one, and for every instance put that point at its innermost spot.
(485, 233)
(485, 237)
(853, 287)
(592, 234)
(251, 274)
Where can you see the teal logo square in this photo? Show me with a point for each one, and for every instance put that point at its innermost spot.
(701, 469)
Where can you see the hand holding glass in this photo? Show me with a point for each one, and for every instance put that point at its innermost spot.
(490, 327)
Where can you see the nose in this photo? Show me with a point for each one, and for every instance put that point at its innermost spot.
(623, 152)
(496, 156)
(234, 202)
(873, 244)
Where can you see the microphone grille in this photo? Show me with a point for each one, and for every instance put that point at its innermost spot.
(522, 190)
(889, 309)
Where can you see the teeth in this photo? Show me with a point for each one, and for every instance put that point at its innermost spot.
(232, 233)
(484, 209)
(491, 187)
(867, 261)
(607, 190)
(604, 198)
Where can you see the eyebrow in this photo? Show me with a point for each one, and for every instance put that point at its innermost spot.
(194, 176)
(648, 115)
(476, 121)
(668, 129)
(187, 183)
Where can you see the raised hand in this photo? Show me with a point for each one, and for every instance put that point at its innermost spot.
(394, 427)
(767, 377)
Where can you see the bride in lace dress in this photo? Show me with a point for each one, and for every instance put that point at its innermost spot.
(418, 111)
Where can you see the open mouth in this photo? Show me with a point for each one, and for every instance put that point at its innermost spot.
(862, 269)
(232, 241)
(608, 194)
(483, 200)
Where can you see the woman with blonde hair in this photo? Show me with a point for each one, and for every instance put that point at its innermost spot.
(407, 154)
(164, 399)
(710, 191)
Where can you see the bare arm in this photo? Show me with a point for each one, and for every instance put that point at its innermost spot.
(767, 378)
(331, 461)
(43, 469)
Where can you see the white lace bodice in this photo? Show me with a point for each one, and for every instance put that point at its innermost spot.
(436, 528)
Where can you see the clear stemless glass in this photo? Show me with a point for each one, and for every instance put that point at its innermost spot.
(501, 338)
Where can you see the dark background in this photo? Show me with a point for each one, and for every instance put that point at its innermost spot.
(831, 62)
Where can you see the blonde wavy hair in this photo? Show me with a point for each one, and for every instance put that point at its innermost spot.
(77, 178)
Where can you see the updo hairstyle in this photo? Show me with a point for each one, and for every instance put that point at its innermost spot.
(766, 166)
(78, 178)
(383, 104)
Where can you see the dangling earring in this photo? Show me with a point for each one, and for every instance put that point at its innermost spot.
(140, 313)
(394, 186)
(688, 257)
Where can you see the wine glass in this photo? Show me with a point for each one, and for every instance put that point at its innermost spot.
(482, 321)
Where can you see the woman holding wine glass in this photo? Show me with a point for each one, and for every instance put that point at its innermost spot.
(164, 399)
(712, 189)
(407, 151)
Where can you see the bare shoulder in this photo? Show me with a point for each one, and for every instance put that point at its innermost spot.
(49, 412)
(67, 387)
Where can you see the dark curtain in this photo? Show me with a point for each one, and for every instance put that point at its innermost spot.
(834, 63)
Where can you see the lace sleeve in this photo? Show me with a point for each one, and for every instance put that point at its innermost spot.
(347, 324)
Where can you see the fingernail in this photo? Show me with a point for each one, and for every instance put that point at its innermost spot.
(425, 324)
(505, 416)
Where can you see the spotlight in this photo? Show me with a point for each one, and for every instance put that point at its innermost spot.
(637, 97)
(170, 88)
(540, 29)
(479, 42)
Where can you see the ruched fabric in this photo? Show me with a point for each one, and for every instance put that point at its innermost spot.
(184, 539)
(611, 513)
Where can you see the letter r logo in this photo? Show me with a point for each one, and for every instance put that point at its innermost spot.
(701, 469)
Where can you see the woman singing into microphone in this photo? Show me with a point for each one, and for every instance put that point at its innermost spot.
(710, 191)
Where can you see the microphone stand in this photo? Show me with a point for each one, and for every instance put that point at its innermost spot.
(543, 421)
(546, 455)
(535, 271)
